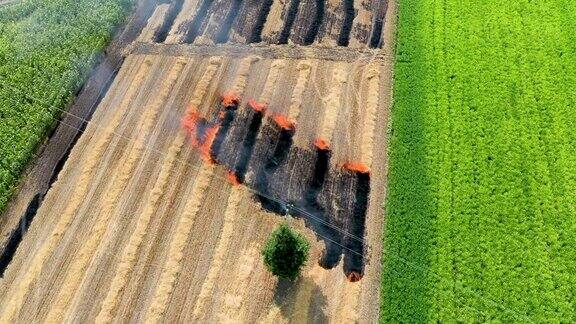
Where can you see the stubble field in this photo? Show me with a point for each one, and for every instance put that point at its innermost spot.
(147, 221)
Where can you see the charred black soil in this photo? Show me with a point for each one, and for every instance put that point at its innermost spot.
(194, 28)
(303, 22)
(378, 24)
(224, 32)
(256, 35)
(248, 145)
(316, 23)
(173, 11)
(290, 180)
(289, 21)
(18, 233)
(226, 122)
(344, 38)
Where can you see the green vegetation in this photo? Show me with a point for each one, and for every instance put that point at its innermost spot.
(481, 213)
(47, 48)
(285, 252)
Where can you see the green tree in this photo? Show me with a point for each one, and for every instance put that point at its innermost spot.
(285, 252)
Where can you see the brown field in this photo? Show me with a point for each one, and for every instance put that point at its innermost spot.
(354, 23)
(143, 225)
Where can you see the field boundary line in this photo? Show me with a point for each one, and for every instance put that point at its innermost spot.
(268, 52)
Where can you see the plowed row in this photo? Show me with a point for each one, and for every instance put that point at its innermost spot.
(327, 23)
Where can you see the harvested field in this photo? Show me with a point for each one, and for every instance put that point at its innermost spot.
(191, 159)
(324, 23)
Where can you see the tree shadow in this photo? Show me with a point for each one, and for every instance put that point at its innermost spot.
(301, 301)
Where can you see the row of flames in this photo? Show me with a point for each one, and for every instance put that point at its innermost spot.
(203, 133)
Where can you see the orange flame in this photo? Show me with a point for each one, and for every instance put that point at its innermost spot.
(230, 99)
(283, 122)
(354, 276)
(205, 148)
(356, 167)
(190, 123)
(257, 106)
(190, 120)
(321, 144)
(233, 178)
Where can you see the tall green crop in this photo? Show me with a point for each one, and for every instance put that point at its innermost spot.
(481, 212)
(47, 48)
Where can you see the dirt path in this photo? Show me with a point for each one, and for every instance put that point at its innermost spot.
(270, 51)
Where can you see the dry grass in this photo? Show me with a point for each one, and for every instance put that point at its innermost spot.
(332, 103)
(173, 264)
(64, 220)
(158, 305)
(233, 301)
(80, 262)
(129, 254)
(242, 74)
(276, 67)
(372, 102)
(222, 248)
(304, 69)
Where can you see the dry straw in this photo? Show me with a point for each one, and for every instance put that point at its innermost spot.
(332, 102)
(82, 187)
(130, 252)
(79, 264)
(367, 145)
(304, 69)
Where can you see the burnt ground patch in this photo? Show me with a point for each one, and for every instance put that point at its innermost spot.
(349, 13)
(224, 32)
(354, 261)
(316, 23)
(248, 144)
(18, 233)
(173, 11)
(280, 143)
(376, 37)
(301, 182)
(289, 22)
(226, 117)
(194, 28)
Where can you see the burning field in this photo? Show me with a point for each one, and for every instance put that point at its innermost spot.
(190, 161)
(257, 148)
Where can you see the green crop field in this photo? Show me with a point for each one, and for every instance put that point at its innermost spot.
(47, 48)
(481, 213)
